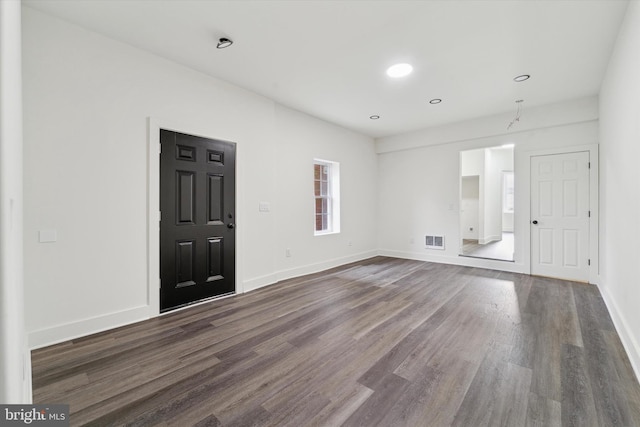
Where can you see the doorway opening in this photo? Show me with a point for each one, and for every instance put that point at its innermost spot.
(487, 203)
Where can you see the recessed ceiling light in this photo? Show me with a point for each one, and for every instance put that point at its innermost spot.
(521, 78)
(435, 101)
(224, 42)
(399, 70)
(374, 117)
(508, 145)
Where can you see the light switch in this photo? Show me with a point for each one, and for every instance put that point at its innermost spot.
(264, 207)
(47, 236)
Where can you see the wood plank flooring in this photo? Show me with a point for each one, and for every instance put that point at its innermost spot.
(382, 342)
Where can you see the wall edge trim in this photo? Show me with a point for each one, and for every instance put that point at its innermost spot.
(88, 326)
(271, 279)
(631, 346)
(511, 267)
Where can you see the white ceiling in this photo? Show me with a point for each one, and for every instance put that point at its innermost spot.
(328, 58)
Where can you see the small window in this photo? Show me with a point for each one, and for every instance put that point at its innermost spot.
(326, 182)
(508, 188)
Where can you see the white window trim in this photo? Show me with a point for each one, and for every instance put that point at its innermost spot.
(334, 198)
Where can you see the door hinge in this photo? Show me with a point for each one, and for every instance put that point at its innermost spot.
(589, 214)
(588, 262)
(159, 147)
(589, 165)
(159, 284)
(159, 216)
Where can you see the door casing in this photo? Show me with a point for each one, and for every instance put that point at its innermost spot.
(566, 255)
(523, 193)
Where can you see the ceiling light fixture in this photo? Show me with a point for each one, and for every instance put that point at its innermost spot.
(508, 145)
(399, 70)
(517, 117)
(374, 117)
(224, 42)
(521, 78)
(435, 101)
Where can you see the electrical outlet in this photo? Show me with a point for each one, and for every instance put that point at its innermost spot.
(287, 253)
(46, 236)
(350, 243)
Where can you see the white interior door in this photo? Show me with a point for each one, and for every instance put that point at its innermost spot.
(560, 216)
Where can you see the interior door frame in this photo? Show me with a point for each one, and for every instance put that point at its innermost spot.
(523, 220)
(153, 211)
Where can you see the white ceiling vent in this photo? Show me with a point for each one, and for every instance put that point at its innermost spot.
(434, 242)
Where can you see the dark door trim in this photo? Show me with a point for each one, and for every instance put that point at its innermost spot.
(153, 203)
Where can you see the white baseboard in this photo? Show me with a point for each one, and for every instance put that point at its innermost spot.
(259, 282)
(490, 264)
(68, 331)
(629, 342)
(324, 265)
(60, 333)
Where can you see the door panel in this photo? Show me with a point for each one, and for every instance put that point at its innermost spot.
(197, 234)
(560, 216)
(570, 202)
(571, 248)
(545, 203)
(546, 246)
(186, 197)
(185, 263)
(215, 200)
(215, 259)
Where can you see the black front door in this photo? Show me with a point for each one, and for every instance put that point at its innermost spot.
(197, 219)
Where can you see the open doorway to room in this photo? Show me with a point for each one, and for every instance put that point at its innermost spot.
(487, 194)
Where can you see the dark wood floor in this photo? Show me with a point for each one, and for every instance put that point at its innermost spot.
(382, 342)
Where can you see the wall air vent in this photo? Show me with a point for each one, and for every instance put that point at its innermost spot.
(434, 242)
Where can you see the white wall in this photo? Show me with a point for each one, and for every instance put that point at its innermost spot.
(419, 176)
(472, 163)
(619, 184)
(502, 158)
(535, 118)
(470, 206)
(14, 360)
(304, 138)
(87, 100)
(492, 199)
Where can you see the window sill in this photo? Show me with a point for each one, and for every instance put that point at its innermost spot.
(325, 233)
